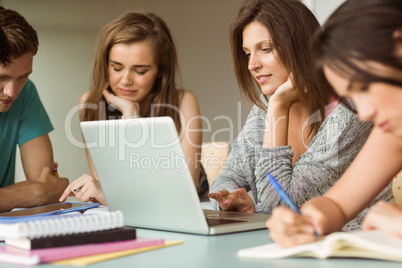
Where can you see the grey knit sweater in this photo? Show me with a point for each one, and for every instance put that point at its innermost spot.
(330, 152)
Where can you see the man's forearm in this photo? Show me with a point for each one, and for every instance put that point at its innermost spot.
(21, 195)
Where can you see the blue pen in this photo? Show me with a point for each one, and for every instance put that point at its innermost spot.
(284, 196)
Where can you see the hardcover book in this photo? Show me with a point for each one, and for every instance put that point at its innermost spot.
(19, 256)
(118, 234)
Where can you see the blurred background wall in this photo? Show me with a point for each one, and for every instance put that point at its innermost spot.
(68, 32)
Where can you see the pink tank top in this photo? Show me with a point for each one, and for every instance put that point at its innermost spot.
(333, 102)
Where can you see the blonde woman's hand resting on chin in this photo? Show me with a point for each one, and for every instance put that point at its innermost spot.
(86, 188)
(238, 200)
(128, 108)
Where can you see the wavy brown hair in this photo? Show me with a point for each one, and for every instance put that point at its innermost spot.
(291, 26)
(130, 28)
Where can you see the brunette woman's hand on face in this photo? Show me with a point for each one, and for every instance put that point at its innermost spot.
(238, 200)
(128, 108)
(285, 95)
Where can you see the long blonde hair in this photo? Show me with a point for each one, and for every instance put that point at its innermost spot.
(129, 28)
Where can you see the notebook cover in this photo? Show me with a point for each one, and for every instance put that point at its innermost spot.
(118, 234)
(82, 261)
(35, 256)
(34, 213)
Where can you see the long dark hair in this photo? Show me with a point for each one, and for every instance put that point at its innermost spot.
(292, 26)
(358, 35)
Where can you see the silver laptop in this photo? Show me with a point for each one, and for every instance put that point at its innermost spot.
(144, 173)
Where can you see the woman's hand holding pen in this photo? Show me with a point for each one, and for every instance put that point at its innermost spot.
(289, 229)
(293, 226)
(85, 188)
(238, 200)
(128, 108)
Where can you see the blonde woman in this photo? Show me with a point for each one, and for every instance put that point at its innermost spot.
(134, 76)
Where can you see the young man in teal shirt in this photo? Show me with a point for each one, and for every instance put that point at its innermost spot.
(23, 121)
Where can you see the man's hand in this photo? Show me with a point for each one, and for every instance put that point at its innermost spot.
(30, 193)
(49, 187)
(238, 200)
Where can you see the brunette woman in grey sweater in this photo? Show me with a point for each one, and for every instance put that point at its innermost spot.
(295, 131)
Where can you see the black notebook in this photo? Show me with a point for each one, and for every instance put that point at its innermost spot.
(112, 235)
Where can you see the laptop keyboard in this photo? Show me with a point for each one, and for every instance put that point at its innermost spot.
(218, 221)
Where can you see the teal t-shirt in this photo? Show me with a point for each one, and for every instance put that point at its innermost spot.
(26, 120)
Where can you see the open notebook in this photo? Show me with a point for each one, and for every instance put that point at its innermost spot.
(143, 173)
(364, 244)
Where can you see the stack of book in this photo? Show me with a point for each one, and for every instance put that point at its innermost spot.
(70, 238)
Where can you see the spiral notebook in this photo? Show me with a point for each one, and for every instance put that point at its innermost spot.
(64, 224)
